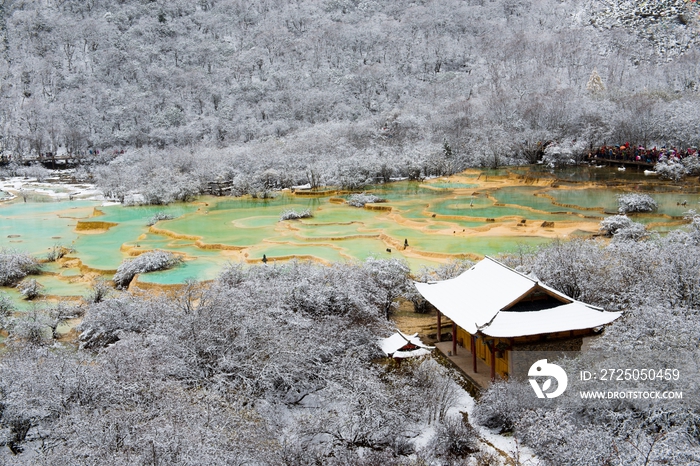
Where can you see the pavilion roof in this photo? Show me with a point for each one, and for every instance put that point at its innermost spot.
(392, 345)
(479, 299)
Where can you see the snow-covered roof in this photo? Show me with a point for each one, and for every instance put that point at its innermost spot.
(398, 340)
(479, 299)
(410, 354)
(574, 316)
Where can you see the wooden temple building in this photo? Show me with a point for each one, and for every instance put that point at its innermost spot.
(496, 311)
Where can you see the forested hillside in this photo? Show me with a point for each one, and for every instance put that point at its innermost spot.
(390, 80)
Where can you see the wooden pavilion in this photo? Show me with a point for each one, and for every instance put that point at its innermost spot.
(496, 310)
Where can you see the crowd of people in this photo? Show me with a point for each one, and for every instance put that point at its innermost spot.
(630, 153)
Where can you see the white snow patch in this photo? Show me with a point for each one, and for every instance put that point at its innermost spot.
(52, 189)
(508, 445)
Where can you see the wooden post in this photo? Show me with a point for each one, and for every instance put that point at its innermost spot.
(439, 323)
(454, 339)
(492, 347)
(474, 353)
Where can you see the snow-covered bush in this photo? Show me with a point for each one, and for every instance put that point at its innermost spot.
(359, 200)
(99, 292)
(15, 265)
(562, 154)
(82, 175)
(157, 217)
(671, 169)
(634, 202)
(634, 232)
(146, 262)
(454, 438)
(57, 252)
(674, 169)
(32, 327)
(623, 228)
(611, 224)
(693, 230)
(390, 277)
(432, 377)
(502, 405)
(34, 171)
(30, 289)
(291, 214)
(164, 186)
(7, 307)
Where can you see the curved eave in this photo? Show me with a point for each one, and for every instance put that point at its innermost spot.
(574, 316)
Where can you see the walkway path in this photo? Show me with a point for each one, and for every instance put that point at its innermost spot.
(463, 361)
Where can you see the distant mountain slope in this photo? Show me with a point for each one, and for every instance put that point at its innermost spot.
(489, 77)
(671, 26)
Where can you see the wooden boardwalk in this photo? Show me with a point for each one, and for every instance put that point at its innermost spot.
(49, 162)
(625, 163)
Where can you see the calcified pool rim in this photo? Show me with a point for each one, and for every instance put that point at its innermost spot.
(467, 215)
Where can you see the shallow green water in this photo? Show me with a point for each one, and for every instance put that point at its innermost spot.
(474, 214)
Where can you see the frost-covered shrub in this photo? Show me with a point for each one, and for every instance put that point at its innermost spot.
(99, 292)
(674, 169)
(623, 228)
(15, 265)
(671, 169)
(107, 320)
(359, 200)
(432, 377)
(7, 307)
(30, 289)
(291, 214)
(391, 279)
(559, 155)
(82, 175)
(503, 404)
(157, 217)
(635, 202)
(693, 232)
(32, 327)
(634, 232)
(454, 438)
(57, 252)
(165, 186)
(610, 225)
(34, 171)
(146, 262)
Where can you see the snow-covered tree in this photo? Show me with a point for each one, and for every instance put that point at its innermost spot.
(15, 265)
(292, 214)
(595, 83)
(622, 227)
(147, 262)
(635, 202)
(359, 200)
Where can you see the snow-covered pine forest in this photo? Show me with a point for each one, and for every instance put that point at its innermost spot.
(344, 92)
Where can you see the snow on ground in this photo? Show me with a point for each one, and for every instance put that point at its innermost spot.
(51, 187)
(506, 448)
(507, 445)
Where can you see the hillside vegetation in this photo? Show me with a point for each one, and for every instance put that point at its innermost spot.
(392, 81)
